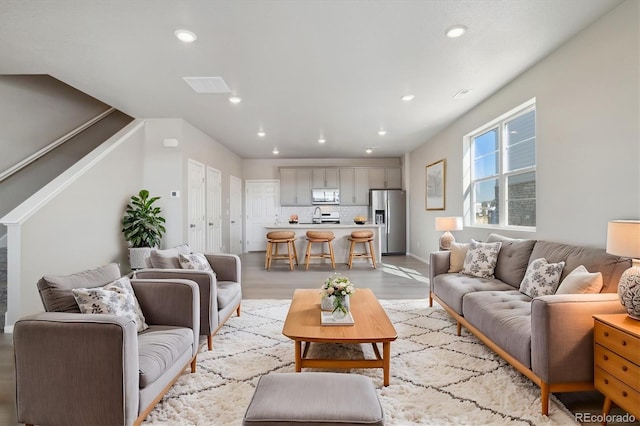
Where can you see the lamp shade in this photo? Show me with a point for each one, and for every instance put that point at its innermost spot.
(623, 238)
(448, 223)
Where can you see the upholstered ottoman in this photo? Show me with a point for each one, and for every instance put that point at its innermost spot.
(314, 398)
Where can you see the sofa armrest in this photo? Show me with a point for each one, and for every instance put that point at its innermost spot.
(207, 287)
(438, 264)
(562, 334)
(227, 266)
(170, 302)
(67, 360)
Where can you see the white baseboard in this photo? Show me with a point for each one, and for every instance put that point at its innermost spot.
(418, 257)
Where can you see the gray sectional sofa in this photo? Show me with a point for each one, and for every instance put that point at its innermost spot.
(548, 338)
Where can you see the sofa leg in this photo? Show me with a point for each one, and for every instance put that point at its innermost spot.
(238, 310)
(430, 299)
(193, 364)
(458, 328)
(210, 341)
(544, 398)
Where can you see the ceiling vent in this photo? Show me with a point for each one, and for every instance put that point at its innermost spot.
(207, 84)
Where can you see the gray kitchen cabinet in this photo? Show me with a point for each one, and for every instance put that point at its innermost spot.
(383, 178)
(295, 187)
(324, 178)
(354, 186)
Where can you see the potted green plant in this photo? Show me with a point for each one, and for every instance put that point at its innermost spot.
(142, 226)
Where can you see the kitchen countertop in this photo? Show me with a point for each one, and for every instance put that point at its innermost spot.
(321, 225)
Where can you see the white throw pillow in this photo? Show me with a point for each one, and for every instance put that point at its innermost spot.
(481, 259)
(581, 281)
(456, 258)
(541, 278)
(116, 298)
(195, 261)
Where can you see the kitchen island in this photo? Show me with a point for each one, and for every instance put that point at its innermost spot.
(342, 231)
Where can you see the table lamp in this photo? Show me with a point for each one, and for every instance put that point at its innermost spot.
(623, 239)
(447, 224)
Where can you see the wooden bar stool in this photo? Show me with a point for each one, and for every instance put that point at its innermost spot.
(319, 237)
(281, 237)
(363, 237)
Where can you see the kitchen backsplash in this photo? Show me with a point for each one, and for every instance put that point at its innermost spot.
(305, 214)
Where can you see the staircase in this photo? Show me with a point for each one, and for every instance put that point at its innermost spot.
(3, 286)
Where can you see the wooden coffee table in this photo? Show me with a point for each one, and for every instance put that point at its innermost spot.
(372, 325)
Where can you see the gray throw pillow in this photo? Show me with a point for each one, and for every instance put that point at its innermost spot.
(541, 278)
(481, 259)
(116, 298)
(168, 258)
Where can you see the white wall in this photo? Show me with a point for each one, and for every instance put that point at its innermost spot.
(588, 139)
(79, 227)
(165, 169)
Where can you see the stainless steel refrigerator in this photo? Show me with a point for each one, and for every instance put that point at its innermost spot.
(389, 208)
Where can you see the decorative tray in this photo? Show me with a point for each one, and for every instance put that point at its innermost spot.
(326, 318)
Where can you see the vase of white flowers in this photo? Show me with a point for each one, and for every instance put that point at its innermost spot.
(336, 290)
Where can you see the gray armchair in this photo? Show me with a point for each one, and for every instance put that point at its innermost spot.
(220, 291)
(80, 369)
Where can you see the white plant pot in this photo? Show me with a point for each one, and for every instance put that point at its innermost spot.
(138, 256)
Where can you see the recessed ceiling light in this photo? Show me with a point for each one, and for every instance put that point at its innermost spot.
(262, 134)
(382, 132)
(368, 150)
(408, 98)
(275, 151)
(455, 31)
(322, 140)
(235, 99)
(186, 36)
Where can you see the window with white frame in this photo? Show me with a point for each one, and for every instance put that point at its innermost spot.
(501, 169)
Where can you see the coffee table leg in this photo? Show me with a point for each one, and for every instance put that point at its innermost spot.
(298, 352)
(386, 361)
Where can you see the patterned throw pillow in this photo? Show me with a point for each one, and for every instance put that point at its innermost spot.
(116, 298)
(481, 259)
(195, 261)
(541, 278)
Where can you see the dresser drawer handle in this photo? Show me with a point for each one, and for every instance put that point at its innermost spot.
(606, 334)
(606, 358)
(624, 343)
(624, 393)
(606, 381)
(624, 368)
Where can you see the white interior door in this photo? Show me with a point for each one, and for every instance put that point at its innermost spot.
(235, 215)
(263, 208)
(214, 211)
(196, 206)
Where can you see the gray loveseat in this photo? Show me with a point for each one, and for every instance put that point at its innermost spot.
(97, 369)
(549, 338)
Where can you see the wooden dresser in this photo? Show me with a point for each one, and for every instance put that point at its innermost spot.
(617, 361)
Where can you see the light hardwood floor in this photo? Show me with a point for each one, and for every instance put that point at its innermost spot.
(397, 277)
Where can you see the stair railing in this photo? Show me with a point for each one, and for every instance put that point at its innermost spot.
(53, 145)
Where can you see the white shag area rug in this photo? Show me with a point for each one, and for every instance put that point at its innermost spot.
(437, 378)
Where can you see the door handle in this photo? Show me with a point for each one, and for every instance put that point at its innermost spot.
(233, 221)
(210, 223)
(193, 225)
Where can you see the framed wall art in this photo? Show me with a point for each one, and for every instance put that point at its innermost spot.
(436, 185)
